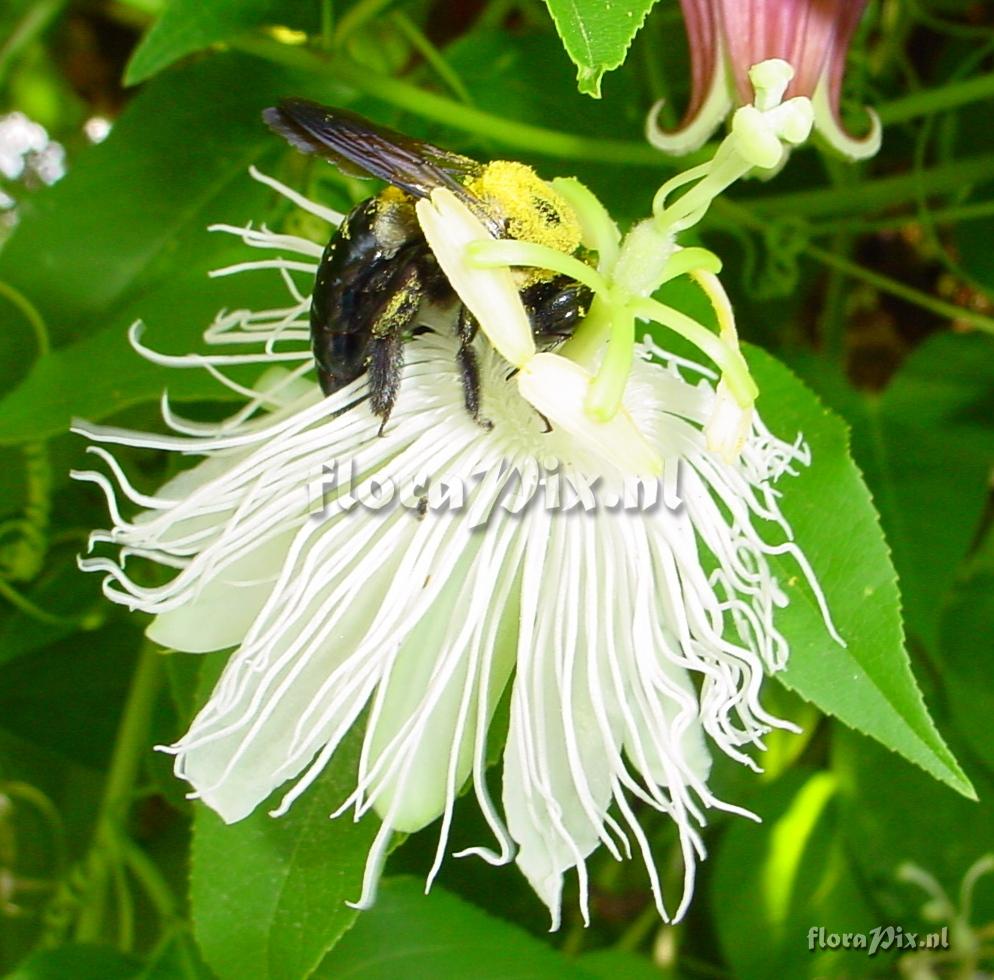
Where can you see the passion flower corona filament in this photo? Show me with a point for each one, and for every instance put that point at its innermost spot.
(600, 570)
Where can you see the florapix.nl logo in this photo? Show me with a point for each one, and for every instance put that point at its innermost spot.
(341, 486)
(878, 940)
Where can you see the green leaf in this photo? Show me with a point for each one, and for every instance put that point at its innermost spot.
(868, 684)
(966, 652)
(124, 236)
(80, 962)
(797, 876)
(269, 895)
(926, 447)
(191, 25)
(610, 964)
(178, 959)
(128, 209)
(597, 35)
(175, 313)
(891, 813)
(87, 675)
(410, 934)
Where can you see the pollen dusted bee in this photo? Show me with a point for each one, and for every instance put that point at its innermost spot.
(378, 272)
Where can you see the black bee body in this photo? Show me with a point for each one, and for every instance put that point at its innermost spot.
(357, 321)
(378, 270)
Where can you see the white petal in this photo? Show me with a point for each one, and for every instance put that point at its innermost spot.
(272, 709)
(562, 748)
(558, 388)
(225, 607)
(425, 723)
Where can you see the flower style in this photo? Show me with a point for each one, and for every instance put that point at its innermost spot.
(727, 37)
(531, 568)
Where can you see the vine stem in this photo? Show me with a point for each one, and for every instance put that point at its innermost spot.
(129, 748)
(36, 19)
(876, 194)
(745, 217)
(935, 100)
(30, 313)
(887, 285)
(429, 105)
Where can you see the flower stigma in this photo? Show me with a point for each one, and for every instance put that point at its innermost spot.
(628, 270)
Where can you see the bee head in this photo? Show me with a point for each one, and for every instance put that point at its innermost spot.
(531, 209)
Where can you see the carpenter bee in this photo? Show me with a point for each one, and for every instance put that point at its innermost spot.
(378, 272)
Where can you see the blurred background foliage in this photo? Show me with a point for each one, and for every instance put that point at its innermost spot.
(126, 127)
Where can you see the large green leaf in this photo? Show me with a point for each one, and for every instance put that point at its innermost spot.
(610, 964)
(868, 684)
(124, 236)
(78, 961)
(135, 206)
(269, 894)
(87, 675)
(797, 876)
(191, 25)
(175, 313)
(927, 448)
(891, 813)
(966, 653)
(410, 934)
(597, 35)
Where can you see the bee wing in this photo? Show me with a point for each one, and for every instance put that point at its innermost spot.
(363, 149)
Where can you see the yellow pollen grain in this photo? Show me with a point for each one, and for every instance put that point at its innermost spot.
(394, 195)
(533, 210)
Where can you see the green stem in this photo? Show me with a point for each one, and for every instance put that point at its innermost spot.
(745, 217)
(958, 213)
(31, 314)
(125, 909)
(432, 56)
(832, 319)
(327, 24)
(915, 296)
(129, 750)
(873, 195)
(429, 105)
(37, 17)
(145, 870)
(47, 810)
(355, 17)
(26, 606)
(636, 933)
(932, 100)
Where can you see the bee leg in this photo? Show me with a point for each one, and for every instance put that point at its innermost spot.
(468, 367)
(385, 351)
(385, 359)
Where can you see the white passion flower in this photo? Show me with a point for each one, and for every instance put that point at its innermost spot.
(419, 577)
